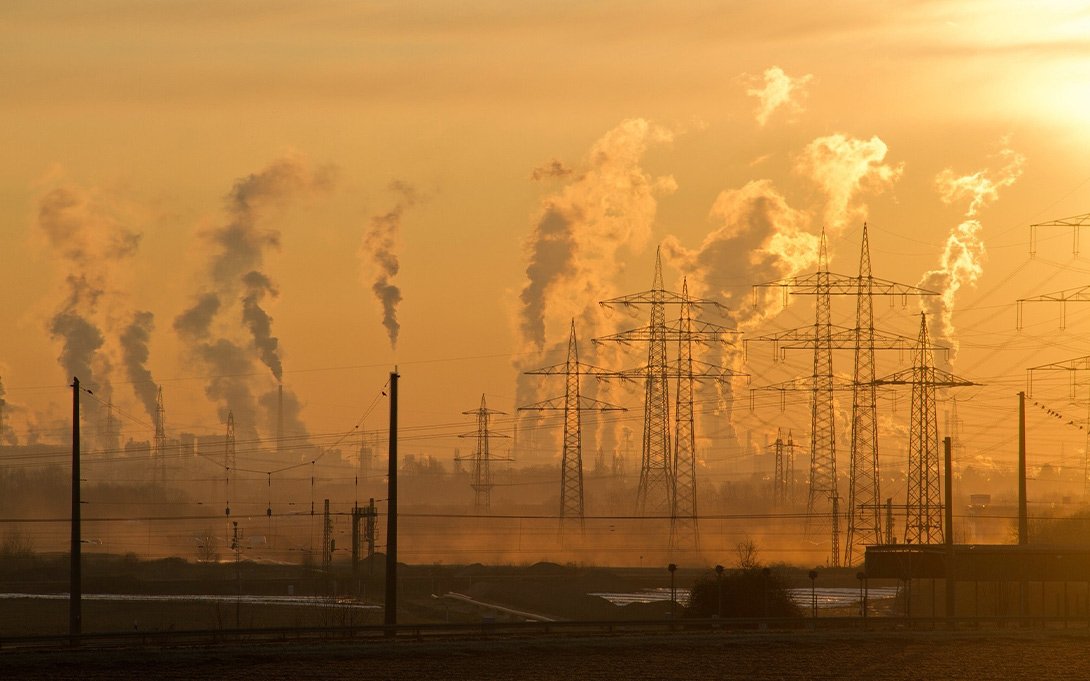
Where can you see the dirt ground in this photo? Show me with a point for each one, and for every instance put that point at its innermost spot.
(1010, 654)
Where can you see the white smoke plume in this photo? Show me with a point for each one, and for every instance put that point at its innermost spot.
(134, 357)
(962, 260)
(224, 344)
(761, 238)
(85, 230)
(380, 246)
(607, 201)
(775, 89)
(844, 166)
(7, 433)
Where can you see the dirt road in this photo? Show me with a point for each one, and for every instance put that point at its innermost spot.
(1008, 655)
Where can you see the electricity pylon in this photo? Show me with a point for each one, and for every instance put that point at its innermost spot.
(482, 458)
(923, 524)
(159, 456)
(229, 459)
(864, 522)
(1072, 367)
(1075, 223)
(572, 404)
(657, 493)
(783, 477)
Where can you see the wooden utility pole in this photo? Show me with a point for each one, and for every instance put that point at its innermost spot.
(951, 573)
(391, 514)
(75, 614)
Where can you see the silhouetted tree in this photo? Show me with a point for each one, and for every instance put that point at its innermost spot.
(746, 592)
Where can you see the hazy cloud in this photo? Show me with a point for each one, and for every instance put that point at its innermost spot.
(774, 90)
(962, 260)
(844, 166)
(238, 284)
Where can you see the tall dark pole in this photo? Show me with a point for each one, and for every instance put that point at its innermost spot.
(1023, 516)
(951, 572)
(391, 513)
(75, 615)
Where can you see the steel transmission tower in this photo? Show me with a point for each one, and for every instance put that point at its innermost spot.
(159, 457)
(924, 506)
(572, 404)
(864, 521)
(1072, 367)
(482, 458)
(783, 480)
(229, 458)
(657, 493)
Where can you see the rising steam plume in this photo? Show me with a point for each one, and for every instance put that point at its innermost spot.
(380, 246)
(776, 90)
(962, 260)
(594, 208)
(844, 167)
(227, 345)
(85, 230)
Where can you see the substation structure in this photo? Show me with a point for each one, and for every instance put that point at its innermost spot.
(667, 485)
(864, 524)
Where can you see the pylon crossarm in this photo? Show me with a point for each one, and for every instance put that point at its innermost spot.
(659, 296)
(1072, 366)
(668, 333)
(701, 331)
(1074, 222)
(925, 376)
(563, 370)
(585, 404)
(1079, 294)
(489, 433)
(484, 412)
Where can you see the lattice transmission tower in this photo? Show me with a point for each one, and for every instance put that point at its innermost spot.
(229, 459)
(864, 495)
(1080, 294)
(783, 477)
(660, 473)
(924, 523)
(482, 458)
(572, 404)
(159, 455)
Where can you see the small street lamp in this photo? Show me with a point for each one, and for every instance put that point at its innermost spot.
(673, 593)
(765, 573)
(719, 589)
(813, 593)
(862, 596)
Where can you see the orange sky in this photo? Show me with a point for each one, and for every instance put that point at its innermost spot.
(145, 116)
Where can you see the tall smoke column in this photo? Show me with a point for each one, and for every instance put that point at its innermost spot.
(280, 418)
(7, 434)
(761, 238)
(84, 230)
(134, 354)
(260, 323)
(236, 273)
(961, 263)
(380, 245)
(606, 202)
(844, 166)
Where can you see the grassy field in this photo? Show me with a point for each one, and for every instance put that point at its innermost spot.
(1009, 655)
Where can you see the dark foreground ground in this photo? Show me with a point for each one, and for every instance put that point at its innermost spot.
(1011, 654)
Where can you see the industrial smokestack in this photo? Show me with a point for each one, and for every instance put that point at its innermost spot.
(280, 419)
